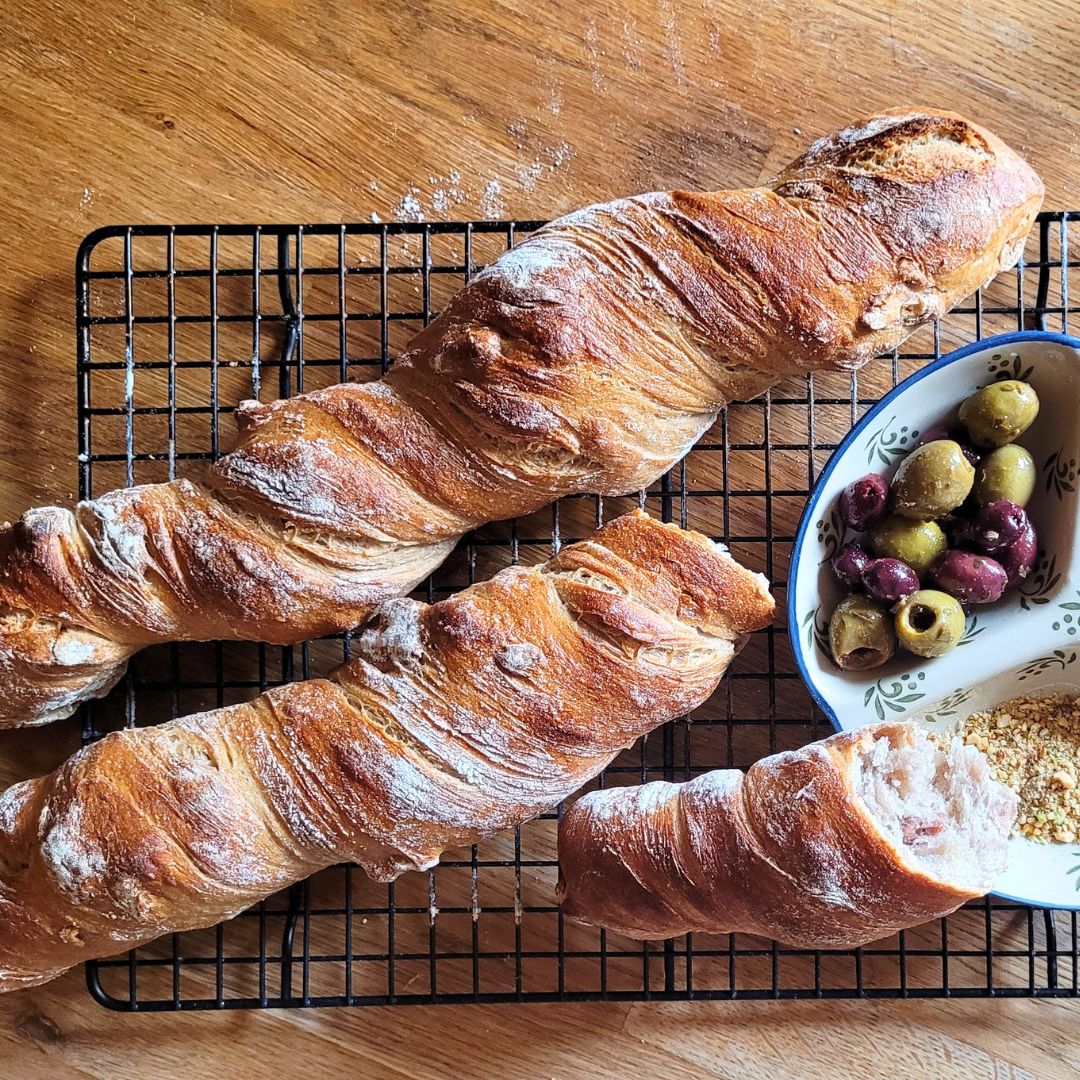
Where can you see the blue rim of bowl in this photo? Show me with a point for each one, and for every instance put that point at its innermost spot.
(986, 345)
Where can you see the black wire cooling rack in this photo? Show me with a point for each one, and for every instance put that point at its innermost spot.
(176, 325)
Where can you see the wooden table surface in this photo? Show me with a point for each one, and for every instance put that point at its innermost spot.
(322, 111)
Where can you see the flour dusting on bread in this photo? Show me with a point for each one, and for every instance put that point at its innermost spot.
(69, 852)
(394, 634)
(454, 721)
(834, 845)
(588, 359)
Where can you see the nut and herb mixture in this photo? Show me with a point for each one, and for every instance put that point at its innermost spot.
(1033, 746)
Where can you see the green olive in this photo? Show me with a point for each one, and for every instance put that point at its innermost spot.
(932, 480)
(917, 543)
(929, 622)
(999, 413)
(1005, 473)
(861, 634)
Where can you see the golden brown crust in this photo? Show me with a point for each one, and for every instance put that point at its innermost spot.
(453, 721)
(589, 359)
(787, 851)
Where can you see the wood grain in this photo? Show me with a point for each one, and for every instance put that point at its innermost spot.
(275, 111)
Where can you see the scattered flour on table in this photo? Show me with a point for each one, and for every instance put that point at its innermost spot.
(446, 191)
(561, 154)
(633, 39)
(528, 174)
(408, 207)
(491, 203)
(673, 42)
(518, 131)
(594, 53)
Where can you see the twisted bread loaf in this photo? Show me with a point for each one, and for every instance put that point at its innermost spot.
(831, 846)
(589, 359)
(454, 721)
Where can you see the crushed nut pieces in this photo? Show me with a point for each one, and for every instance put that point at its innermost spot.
(1033, 746)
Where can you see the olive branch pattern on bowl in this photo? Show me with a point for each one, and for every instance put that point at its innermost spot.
(949, 706)
(1059, 658)
(896, 696)
(1009, 366)
(1060, 474)
(1040, 584)
(1026, 643)
(1070, 621)
(1073, 870)
(971, 631)
(831, 530)
(816, 627)
(888, 446)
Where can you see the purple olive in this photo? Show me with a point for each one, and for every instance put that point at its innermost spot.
(958, 529)
(934, 433)
(970, 578)
(890, 580)
(849, 563)
(997, 525)
(973, 455)
(864, 501)
(1019, 557)
(937, 432)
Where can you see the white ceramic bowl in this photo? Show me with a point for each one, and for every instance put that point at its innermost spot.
(1026, 642)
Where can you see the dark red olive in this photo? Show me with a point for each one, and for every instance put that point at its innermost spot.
(864, 501)
(849, 563)
(936, 432)
(997, 525)
(1019, 557)
(890, 580)
(957, 529)
(973, 455)
(971, 578)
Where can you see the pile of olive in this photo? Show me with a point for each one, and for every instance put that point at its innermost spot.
(949, 532)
